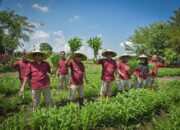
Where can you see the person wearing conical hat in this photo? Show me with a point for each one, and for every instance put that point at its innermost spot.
(37, 71)
(109, 67)
(154, 65)
(141, 72)
(77, 75)
(63, 73)
(124, 73)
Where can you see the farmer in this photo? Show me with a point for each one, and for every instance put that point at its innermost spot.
(21, 65)
(37, 73)
(63, 72)
(109, 67)
(141, 72)
(154, 66)
(124, 73)
(77, 75)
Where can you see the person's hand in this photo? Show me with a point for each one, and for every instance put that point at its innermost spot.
(127, 68)
(139, 79)
(122, 75)
(21, 91)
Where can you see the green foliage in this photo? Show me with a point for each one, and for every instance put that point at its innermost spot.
(152, 39)
(9, 85)
(13, 29)
(6, 68)
(46, 47)
(168, 72)
(96, 44)
(173, 122)
(174, 31)
(158, 38)
(75, 44)
(170, 55)
(121, 111)
(133, 63)
(53, 59)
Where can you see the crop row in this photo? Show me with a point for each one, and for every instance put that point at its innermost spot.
(121, 111)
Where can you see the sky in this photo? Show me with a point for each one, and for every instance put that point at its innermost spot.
(114, 21)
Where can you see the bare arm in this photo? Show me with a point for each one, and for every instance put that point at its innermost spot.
(68, 59)
(23, 86)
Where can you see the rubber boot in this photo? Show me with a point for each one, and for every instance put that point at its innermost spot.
(81, 102)
(108, 97)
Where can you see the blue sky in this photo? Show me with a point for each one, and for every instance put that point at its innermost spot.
(114, 21)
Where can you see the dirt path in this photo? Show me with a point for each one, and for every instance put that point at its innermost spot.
(169, 78)
(8, 74)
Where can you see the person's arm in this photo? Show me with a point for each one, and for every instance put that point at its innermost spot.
(68, 59)
(49, 70)
(161, 64)
(98, 60)
(118, 70)
(84, 75)
(28, 72)
(56, 68)
(137, 73)
(14, 64)
(23, 86)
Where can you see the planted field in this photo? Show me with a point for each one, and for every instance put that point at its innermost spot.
(123, 111)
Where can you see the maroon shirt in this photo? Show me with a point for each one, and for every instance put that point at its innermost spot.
(108, 69)
(38, 74)
(77, 72)
(63, 67)
(22, 66)
(155, 70)
(139, 73)
(122, 69)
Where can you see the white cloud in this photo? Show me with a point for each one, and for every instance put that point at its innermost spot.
(74, 18)
(40, 35)
(85, 49)
(19, 5)
(59, 42)
(38, 24)
(41, 8)
(127, 43)
(93, 27)
(100, 35)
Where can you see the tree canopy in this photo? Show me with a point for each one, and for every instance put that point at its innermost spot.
(46, 47)
(13, 29)
(161, 38)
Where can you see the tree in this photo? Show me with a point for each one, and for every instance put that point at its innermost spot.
(152, 39)
(174, 30)
(158, 38)
(75, 44)
(96, 44)
(46, 48)
(13, 29)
